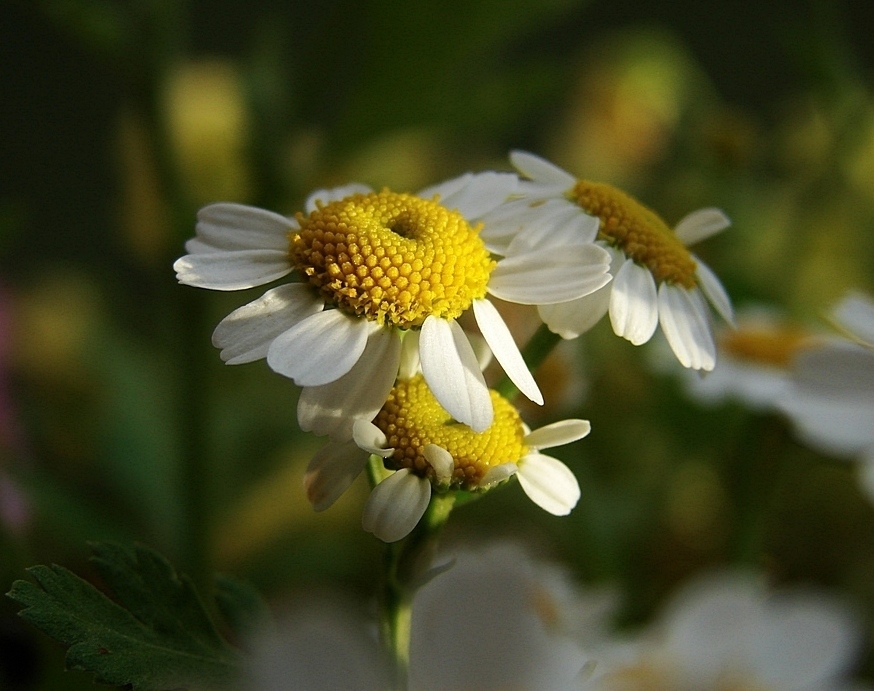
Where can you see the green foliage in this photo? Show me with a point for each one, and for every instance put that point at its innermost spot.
(157, 634)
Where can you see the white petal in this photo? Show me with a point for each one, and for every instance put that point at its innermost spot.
(546, 276)
(446, 188)
(441, 460)
(409, 365)
(504, 348)
(634, 311)
(575, 317)
(360, 393)
(558, 433)
(700, 225)
(855, 314)
(331, 471)
(479, 194)
(235, 270)
(549, 483)
(541, 170)
(497, 474)
(232, 227)
(453, 374)
(370, 438)
(712, 288)
(684, 321)
(247, 332)
(395, 505)
(554, 223)
(334, 194)
(320, 349)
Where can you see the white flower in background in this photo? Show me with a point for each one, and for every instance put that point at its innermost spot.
(374, 266)
(426, 449)
(831, 398)
(728, 633)
(656, 280)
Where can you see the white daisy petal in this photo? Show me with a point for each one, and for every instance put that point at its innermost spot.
(453, 374)
(498, 473)
(370, 438)
(331, 471)
(700, 225)
(480, 193)
(334, 194)
(855, 315)
(320, 349)
(446, 188)
(246, 333)
(575, 317)
(409, 364)
(441, 460)
(504, 348)
(549, 483)
(711, 286)
(684, 321)
(558, 433)
(555, 223)
(231, 227)
(396, 505)
(541, 170)
(331, 408)
(235, 270)
(544, 276)
(633, 303)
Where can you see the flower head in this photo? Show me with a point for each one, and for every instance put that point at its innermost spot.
(425, 450)
(373, 267)
(656, 280)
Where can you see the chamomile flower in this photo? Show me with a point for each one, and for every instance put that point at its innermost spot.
(426, 450)
(656, 280)
(373, 266)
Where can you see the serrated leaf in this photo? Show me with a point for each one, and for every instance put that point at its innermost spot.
(157, 636)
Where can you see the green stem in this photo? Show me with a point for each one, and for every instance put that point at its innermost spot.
(540, 345)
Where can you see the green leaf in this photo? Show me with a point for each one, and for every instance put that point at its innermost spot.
(156, 635)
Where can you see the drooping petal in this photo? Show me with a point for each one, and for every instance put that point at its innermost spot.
(684, 321)
(549, 483)
(331, 471)
(546, 276)
(575, 317)
(700, 225)
(441, 461)
(320, 349)
(558, 433)
(504, 348)
(228, 227)
(498, 473)
(451, 369)
(480, 193)
(334, 194)
(541, 170)
(247, 332)
(235, 270)
(370, 438)
(713, 290)
(331, 408)
(396, 505)
(634, 311)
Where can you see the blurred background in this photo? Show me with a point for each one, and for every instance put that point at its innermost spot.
(118, 420)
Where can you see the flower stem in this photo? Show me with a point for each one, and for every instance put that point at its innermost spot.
(539, 346)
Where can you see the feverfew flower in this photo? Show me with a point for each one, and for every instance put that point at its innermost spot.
(728, 632)
(656, 280)
(374, 266)
(427, 450)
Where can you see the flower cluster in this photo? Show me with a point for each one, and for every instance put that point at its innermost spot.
(369, 327)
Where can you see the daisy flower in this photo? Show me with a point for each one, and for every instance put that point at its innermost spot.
(425, 449)
(656, 280)
(371, 267)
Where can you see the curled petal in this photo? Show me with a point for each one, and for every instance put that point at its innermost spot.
(558, 433)
(700, 225)
(441, 460)
(235, 270)
(228, 227)
(634, 311)
(452, 371)
(549, 483)
(395, 505)
(331, 471)
(684, 320)
(247, 332)
(370, 438)
(497, 474)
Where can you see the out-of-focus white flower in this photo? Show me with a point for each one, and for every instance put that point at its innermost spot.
(727, 632)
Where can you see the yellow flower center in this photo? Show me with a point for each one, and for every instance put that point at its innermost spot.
(392, 258)
(767, 346)
(638, 231)
(412, 418)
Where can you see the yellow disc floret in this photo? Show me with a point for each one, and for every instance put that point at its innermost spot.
(638, 231)
(392, 258)
(412, 418)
